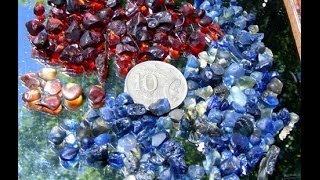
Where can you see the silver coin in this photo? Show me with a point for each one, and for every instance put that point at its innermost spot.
(150, 81)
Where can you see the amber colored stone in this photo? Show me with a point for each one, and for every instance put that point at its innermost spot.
(52, 112)
(31, 95)
(174, 53)
(73, 104)
(30, 80)
(51, 102)
(96, 94)
(34, 105)
(47, 73)
(53, 87)
(38, 9)
(71, 91)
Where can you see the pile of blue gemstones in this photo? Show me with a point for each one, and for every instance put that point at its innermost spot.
(230, 113)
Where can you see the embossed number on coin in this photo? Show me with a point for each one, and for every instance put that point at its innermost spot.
(152, 80)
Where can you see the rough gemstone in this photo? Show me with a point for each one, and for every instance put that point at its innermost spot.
(160, 107)
(158, 138)
(196, 171)
(116, 160)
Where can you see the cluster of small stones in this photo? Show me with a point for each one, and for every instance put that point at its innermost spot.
(81, 36)
(231, 112)
(47, 94)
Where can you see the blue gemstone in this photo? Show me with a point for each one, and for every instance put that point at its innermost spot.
(215, 116)
(226, 154)
(148, 120)
(266, 77)
(126, 143)
(164, 122)
(148, 166)
(231, 177)
(95, 156)
(171, 148)
(121, 126)
(69, 153)
(224, 105)
(166, 175)
(233, 49)
(116, 160)
(157, 158)
(86, 142)
(124, 99)
(206, 75)
(230, 118)
(137, 126)
(252, 108)
(254, 140)
(228, 80)
(260, 86)
(107, 113)
(254, 155)
(102, 139)
(110, 101)
(265, 125)
(263, 66)
(244, 126)
(192, 61)
(184, 124)
(69, 164)
(239, 143)
(205, 5)
(284, 115)
(196, 171)
(69, 125)
(237, 107)
(245, 38)
(213, 157)
(192, 85)
(56, 135)
(121, 111)
(91, 115)
(230, 165)
(251, 55)
(270, 101)
(236, 70)
(217, 69)
(269, 139)
(160, 107)
(277, 125)
(158, 138)
(136, 109)
(274, 74)
(178, 165)
(213, 102)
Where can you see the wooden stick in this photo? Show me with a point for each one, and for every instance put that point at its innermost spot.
(294, 18)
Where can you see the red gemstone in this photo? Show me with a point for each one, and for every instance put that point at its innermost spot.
(38, 9)
(197, 42)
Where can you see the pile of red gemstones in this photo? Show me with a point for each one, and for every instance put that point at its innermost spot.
(82, 35)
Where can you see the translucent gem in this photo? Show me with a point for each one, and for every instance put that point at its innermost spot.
(196, 171)
(102, 139)
(126, 143)
(245, 82)
(158, 138)
(204, 92)
(164, 122)
(230, 165)
(237, 96)
(116, 160)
